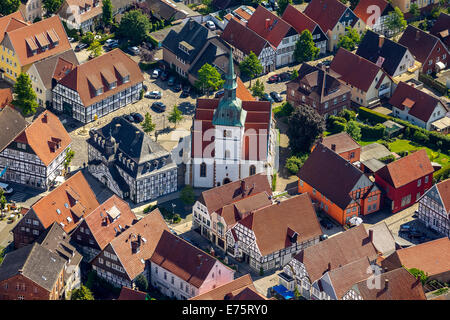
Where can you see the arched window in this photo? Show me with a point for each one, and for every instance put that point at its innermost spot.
(203, 170)
(252, 170)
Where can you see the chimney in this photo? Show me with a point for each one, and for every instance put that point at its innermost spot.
(136, 244)
(44, 118)
(386, 283)
(371, 235)
(333, 147)
(329, 266)
(385, 269)
(243, 187)
(417, 35)
(117, 128)
(267, 23)
(380, 41)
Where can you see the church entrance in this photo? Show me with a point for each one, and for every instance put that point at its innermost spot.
(226, 180)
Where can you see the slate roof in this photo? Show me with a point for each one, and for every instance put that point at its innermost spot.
(12, 124)
(419, 104)
(325, 12)
(407, 169)
(401, 286)
(391, 51)
(441, 28)
(34, 262)
(215, 53)
(331, 175)
(235, 290)
(274, 225)
(337, 251)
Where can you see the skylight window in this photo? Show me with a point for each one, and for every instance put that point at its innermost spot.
(66, 205)
(58, 211)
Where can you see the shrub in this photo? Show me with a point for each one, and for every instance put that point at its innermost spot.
(337, 127)
(403, 153)
(283, 110)
(388, 159)
(176, 218)
(428, 80)
(384, 143)
(420, 137)
(331, 119)
(372, 116)
(442, 174)
(294, 163)
(372, 132)
(141, 282)
(261, 271)
(274, 181)
(347, 114)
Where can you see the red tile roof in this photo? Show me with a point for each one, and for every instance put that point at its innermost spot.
(421, 104)
(444, 191)
(217, 198)
(103, 229)
(43, 136)
(274, 224)
(11, 22)
(354, 70)
(32, 33)
(364, 12)
(343, 142)
(337, 251)
(325, 12)
(76, 193)
(93, 73)
(298, 19)
(130, 294)
(407, 169)
(276, 30)
(233, 290)
(5, 97)
(62, 68)
(183, 259)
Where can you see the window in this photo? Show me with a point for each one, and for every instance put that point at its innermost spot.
(252, 170)
(419, 182)
(28, 221)
(203, 170)
(426, 179)
(227, 154)
(172, 280)
(326, 105)
(36, 232)
(165, 276)
(100, 260)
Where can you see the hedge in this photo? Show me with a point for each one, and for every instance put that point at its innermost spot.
(428, 80)
(145, 66)
(372, 116)
(442, 174)
(372, 132)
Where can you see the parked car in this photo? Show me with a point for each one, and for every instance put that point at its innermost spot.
(110, 42)
(415, 234)
(267, 97)
(129, 117)
(70, 39)
(285, 76)
(164, 75)
(326, 224)
(186, 91)
(156, 73)
(171, 81)
(80, 46)
(405, 228)
(159, 106)
(276, 96)
(153, 94)
(177, 87)
(210, 25)
(323, 237)
(219, 94)
(274, 78)
(138, 118)
(6, 188)
(134, 50)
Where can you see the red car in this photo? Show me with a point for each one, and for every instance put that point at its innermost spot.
(274, 78)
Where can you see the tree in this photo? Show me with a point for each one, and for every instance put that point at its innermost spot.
(141, 282)
(88, 38)
(134, 26)
(305, 49)
(209, 78)
(282, 5)
(51, 5)
(175, 116)
(148, 126)
(414, 10)
(294, 163)
(305, 125)
(9, 6)
(396, 21)
(251, 66)
(82, 293)
(2, 199)
(349, 115)
(258, 89)
(187, 195)
(69, 156)
(107, 16)
(353, 130)
(95, 49)
(294, 74)
(25, 97)
(349, 40)
(417, 273)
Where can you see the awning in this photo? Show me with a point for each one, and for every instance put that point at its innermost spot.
(355, 221)
(440, 65)
(281, 290)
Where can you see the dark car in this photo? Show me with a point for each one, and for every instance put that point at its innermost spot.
(138, 118)
(80, 46)
(274, 78)
(267, 97)
(405, 229)
(326, 224)
(219, 94)
(177, 87)
(171, 81)
(285, 76)
(159, 106)
(129, 117)
(276, 96)
(164, 75)
(186, 91)
(416, 234)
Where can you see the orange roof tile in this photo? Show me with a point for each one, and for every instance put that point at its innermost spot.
(130, 294)
(444, 191)
(343, 142)
(5, 97)
(11, 22)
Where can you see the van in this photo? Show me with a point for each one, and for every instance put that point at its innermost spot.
(6, 188)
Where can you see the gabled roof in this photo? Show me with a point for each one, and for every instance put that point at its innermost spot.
(401, 286)
(56, 67)
(337, 251)
(444, 191)
(215, 53)
(91, 75)
(392, 52)
(243, 38)
(365, 12)
(331, 175)
(11, 22)
(362, 72)
(217, 198)
(74, 6)
(432, 257)
(343, 142)
(275, 225)
(233, 290)
(407, 169)
(47, 137)
(441, 28)
(383, 240)
(104, 226)
(12, 124)
(148, 230)
(419, 43)
(34, 262)
(36, 35)
(325, 12)
(72, 199)
(5, 97)
(130, 294)
(183, 259)
(276, 30)
(298, 19)
(419, 104)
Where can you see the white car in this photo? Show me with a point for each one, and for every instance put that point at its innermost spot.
(134, 50)
(6, 188)
(153, 94)
(156, 73)
(210, 25)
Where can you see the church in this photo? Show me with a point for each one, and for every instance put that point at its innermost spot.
(231, 138)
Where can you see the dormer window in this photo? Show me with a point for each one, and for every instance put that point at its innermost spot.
(126, 79)
(113, 85)
(99, 91)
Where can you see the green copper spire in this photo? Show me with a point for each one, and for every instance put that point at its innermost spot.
(230, 112)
